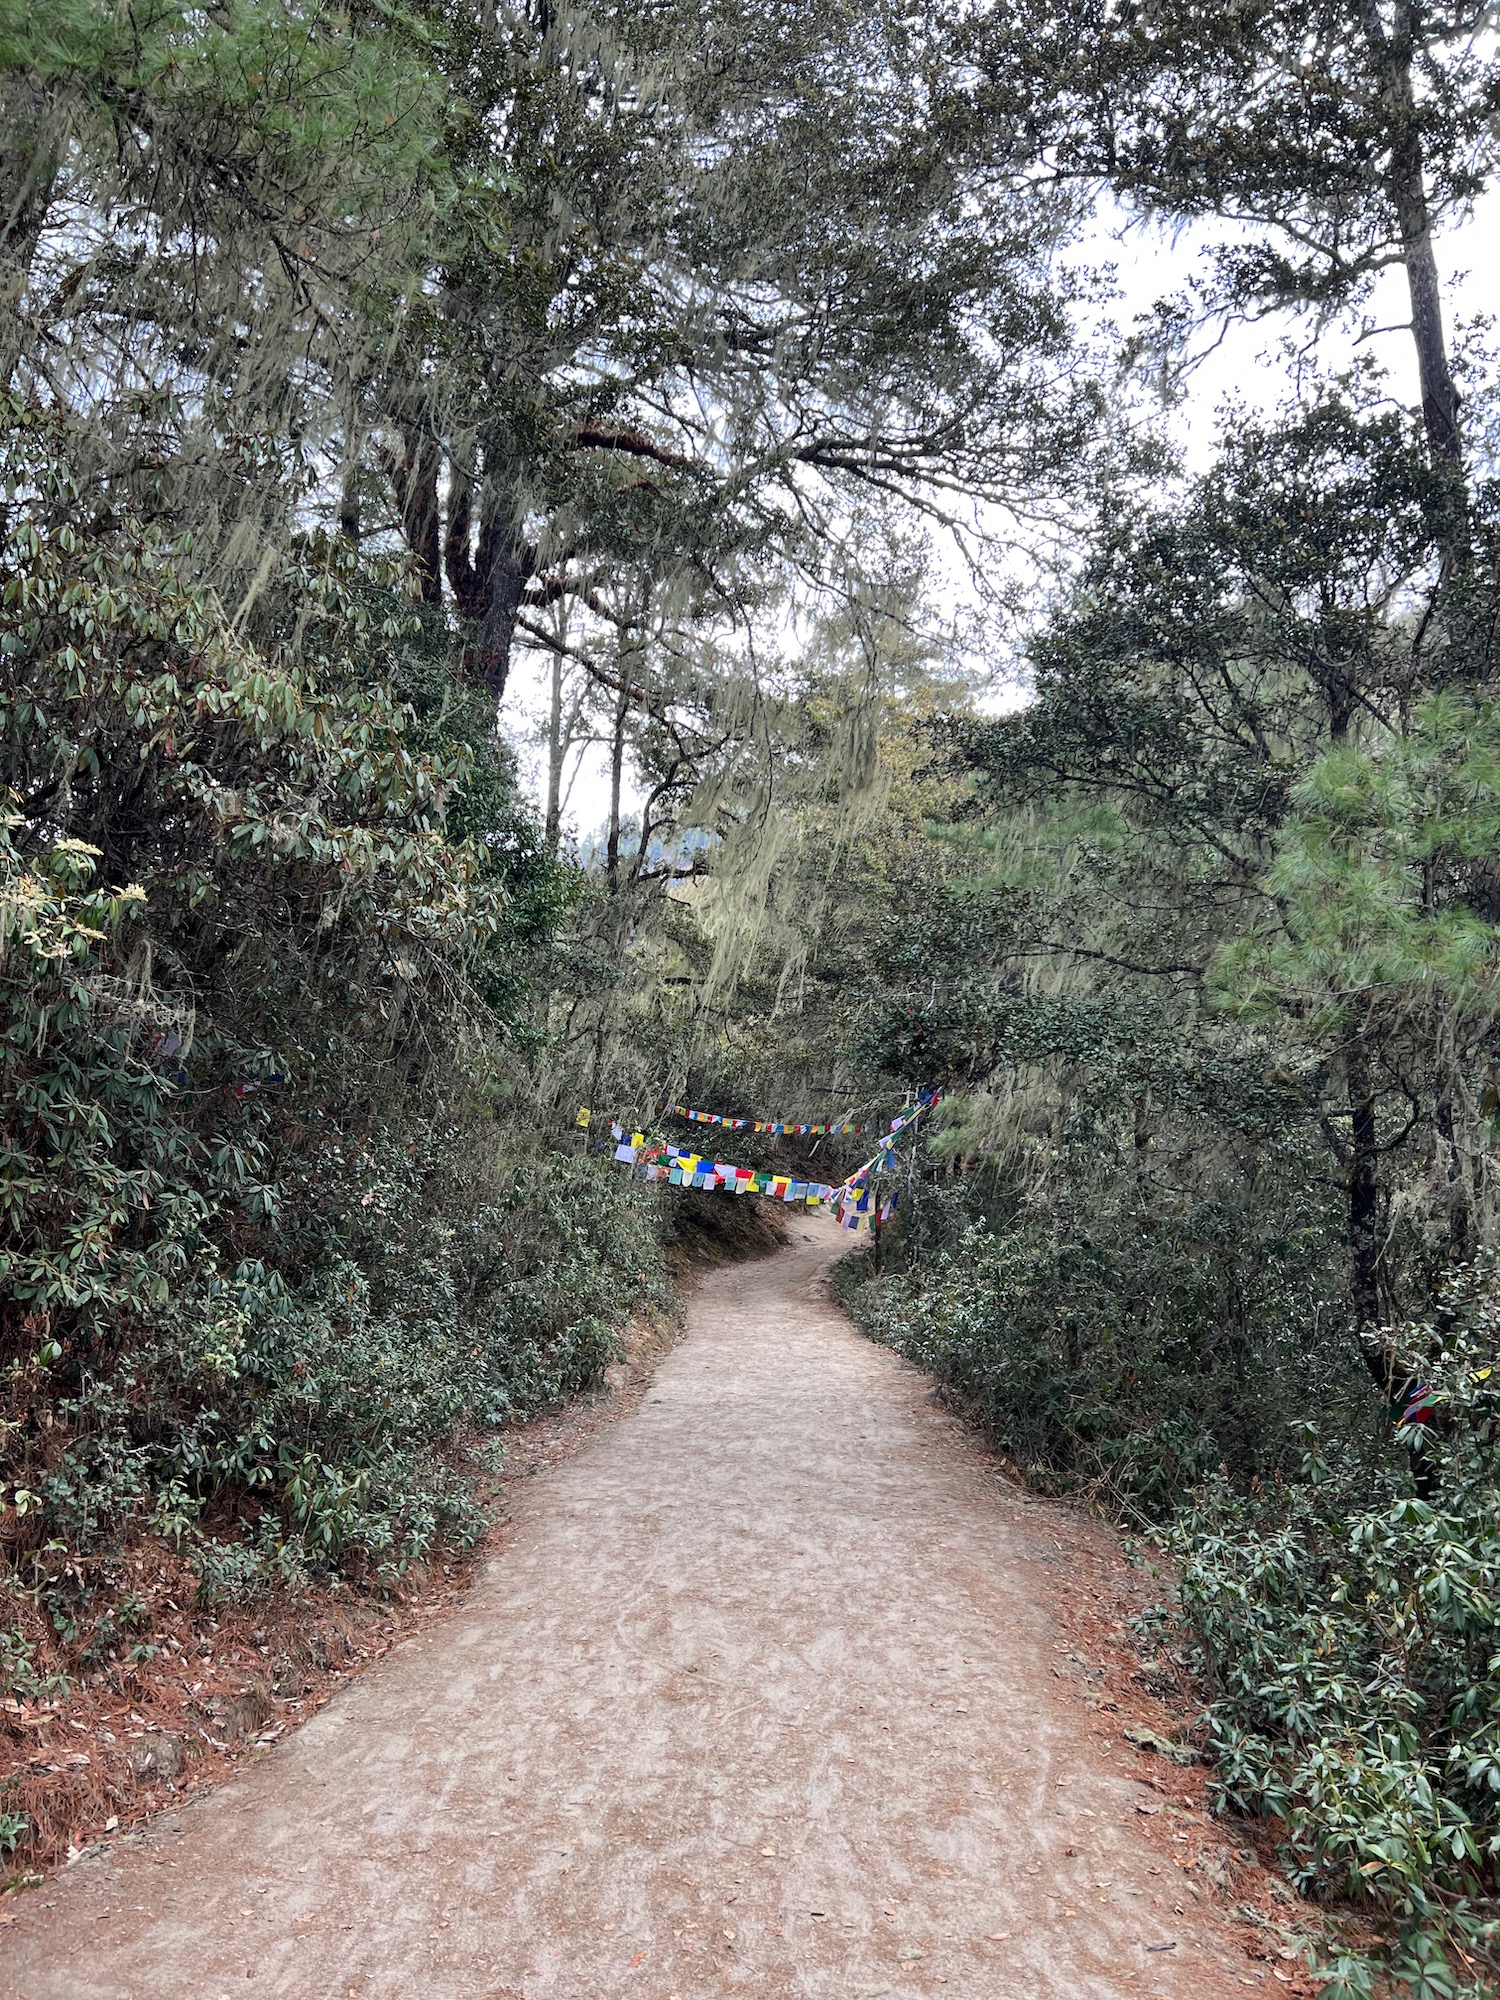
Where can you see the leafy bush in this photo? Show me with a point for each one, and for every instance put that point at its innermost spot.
(1351, 1631)
(274, 1220)
(1118, 1361)
(1342, 1589)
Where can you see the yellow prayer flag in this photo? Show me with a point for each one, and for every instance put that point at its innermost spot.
(583, 1116)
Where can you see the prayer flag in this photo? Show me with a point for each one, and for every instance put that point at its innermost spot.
(1420, 1405)
(583, 1116)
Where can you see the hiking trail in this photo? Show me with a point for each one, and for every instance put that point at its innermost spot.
(759, 1700)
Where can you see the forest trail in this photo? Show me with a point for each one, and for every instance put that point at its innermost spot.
(757, 1701)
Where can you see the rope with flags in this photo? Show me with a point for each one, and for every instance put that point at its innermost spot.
(852, 1199)
(776, 1126)
(1419, 1404)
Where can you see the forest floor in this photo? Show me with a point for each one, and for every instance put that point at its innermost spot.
(776, 1686)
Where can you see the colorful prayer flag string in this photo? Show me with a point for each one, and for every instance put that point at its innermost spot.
(1421, 1405)
(851, 1200)
(776, 1126)
(854, 1192)
(685, 1169)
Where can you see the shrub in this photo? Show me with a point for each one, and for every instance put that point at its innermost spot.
(1119, 1363)
(1351, 1633)
(274, 1220)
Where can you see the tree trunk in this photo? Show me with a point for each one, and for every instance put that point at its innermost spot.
(458, 554)
(1451, 1163)
(505, 580)
(1407, 188)
(1364, 1210)
(1439, 394)
(488, 585)
(503, 570)
(349, 524)
(28, 172)
(416, 481)
(553, 834)
(616, 775)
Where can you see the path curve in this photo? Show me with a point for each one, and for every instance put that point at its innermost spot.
(757, 1702)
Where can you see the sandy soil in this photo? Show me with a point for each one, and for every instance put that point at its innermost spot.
(761, 1698)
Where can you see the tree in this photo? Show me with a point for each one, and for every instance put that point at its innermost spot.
(204, 212)
(1336, 135)
(1224, 665)
(701, 288)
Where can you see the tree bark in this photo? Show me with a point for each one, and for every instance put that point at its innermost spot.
(553, 833)
(28, 173)
(1363, 1177)
(505, 570)
(487, 585)
(349, 524)
(616, 775)
(416, 481)
(458, 554)
(1407, 188)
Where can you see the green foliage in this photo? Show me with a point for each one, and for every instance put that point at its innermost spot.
(1130, 1355)
(267, 1244)
(636, 328)
(1351, 1629)
(1374, 880)
(1210, 973)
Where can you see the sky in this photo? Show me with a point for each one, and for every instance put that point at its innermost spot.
(1245, 364)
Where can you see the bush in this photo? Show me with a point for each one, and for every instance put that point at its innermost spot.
(1121, 1363)
(1340, 1584)
(1351, 1632)
(272, 928)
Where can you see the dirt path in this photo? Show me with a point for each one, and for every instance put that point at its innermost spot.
(758, 1701)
